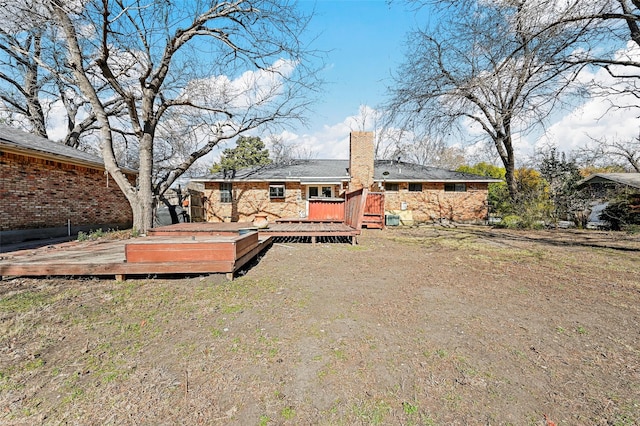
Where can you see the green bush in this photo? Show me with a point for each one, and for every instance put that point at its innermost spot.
(632, 229)
(93, 235)
(521, 222)
(511, 222)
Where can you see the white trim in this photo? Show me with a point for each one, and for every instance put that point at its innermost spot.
(320, 186)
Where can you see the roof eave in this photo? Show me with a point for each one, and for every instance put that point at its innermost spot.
(417, 180)
(605, 177)
(276, 179)
(62, 158)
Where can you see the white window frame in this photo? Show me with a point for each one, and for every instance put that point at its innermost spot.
(320, 187)
(228, 191)
(277, 186)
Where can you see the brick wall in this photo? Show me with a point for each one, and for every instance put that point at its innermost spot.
(40, 193)
(361, 156)
(250, 198)
(433, 203)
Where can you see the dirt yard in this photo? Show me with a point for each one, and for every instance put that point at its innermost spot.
(426, 326)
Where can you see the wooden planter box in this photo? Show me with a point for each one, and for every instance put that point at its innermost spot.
(197, 249)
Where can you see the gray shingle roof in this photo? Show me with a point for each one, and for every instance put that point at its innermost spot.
(631, 179)
(15, 138)
(296, 170)
(394, 171)
(326, 171)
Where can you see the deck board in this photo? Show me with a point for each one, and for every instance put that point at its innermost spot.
(107, 258)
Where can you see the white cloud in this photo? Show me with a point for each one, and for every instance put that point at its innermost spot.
(593, 120)
(249, 90)
(332, 140)
(611, 116)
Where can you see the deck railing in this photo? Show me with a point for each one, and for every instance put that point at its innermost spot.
(354, 207)
(326, 209)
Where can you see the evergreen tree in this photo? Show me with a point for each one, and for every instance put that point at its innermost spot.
(249, 151)
(562, 175)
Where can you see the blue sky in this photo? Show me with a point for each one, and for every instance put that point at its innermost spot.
(365, 41)
(365, 44)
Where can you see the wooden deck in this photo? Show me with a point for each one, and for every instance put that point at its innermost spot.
(286, 228)
(311, 229)
(163, 255)
(185, 248)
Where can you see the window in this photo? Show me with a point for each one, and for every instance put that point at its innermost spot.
(415, 187)
(276, 191)
(390, 186)
(455, 187)
(320, 191)
(225, 192)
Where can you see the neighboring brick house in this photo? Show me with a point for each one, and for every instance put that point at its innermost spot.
(48, 189)
(415, 193)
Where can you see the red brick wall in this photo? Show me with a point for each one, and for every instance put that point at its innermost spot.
(430, 205)
(40, 193)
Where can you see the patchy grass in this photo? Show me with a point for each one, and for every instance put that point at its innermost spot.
(414, 326)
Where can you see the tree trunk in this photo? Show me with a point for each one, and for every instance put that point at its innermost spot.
(142, 219)
(509, 176)
(136, 209)
(505, 149)
(145, 186)
(31, 88)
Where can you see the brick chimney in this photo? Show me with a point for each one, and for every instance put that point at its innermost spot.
(361, 160)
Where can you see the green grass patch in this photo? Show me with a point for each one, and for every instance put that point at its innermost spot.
(34, 364)
(23, 302)
(371, 412)
(288, 413)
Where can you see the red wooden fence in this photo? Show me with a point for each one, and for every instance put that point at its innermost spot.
(359, 208)
(323, 209)
(375, 203)
(373, 216)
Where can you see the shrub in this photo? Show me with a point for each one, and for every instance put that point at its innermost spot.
(93, 235)
(632, 229)
(621, 213)
(511, 222)
(521, 222)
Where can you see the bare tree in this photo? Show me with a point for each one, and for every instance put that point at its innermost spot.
(20, 75)
(612, 39)
(33, 76)
(418, 149)
(607, 152)
(389, 142)
(190, 76)
(281, 151)
(486, 66)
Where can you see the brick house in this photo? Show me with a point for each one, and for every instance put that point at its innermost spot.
(415, 193)
(49, 190)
